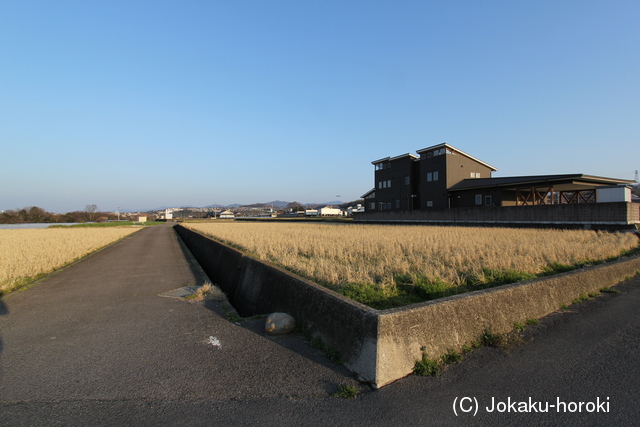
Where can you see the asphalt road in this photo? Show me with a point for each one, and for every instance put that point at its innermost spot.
(95, 344)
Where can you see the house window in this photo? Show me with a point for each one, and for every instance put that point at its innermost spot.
(435, 176)
(435, 153)
(429, 154)
(430, 203)
(389, 205)
(373, 206)
(389, 184)
(380, 184)
(429, 177)
(478, 199)
(397, 204)
(407, 181)
(475, 174)
(487, 200)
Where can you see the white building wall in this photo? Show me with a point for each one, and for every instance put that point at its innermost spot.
(613, 194)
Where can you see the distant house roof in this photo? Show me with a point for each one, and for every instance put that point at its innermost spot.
(457, 151)
(566, 182)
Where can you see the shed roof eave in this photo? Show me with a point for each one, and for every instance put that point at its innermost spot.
(390, 159)
(527, 181)
(364, 196)
(451, 147)
(385, 159)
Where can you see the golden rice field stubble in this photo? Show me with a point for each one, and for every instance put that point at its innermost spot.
(391, 265)
(26, 254)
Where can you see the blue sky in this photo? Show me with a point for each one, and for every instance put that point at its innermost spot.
(141, 104)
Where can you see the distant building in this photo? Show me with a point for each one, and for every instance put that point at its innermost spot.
(329, 211)
(354, 209)
(226, 215)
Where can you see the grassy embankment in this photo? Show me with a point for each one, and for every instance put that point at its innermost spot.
(29, 254)
(387, 266)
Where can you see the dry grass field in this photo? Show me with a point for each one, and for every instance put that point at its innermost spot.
(387, 265)
(26, 254)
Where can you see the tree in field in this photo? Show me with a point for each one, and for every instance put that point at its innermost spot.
(91, 211)
(26, 215)
(295, 207)
(37, 214)
(8, 217)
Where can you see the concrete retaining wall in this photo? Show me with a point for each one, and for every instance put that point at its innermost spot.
(257, 287)
(595, 215)
(452, 322)
(381, 346)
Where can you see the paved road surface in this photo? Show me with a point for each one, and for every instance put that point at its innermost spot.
(96, 345)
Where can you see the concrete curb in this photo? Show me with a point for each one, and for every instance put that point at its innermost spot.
(381, 346)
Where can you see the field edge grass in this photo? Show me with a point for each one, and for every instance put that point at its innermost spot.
(26, 282)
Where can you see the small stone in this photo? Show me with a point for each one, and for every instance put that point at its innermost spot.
(279, 323)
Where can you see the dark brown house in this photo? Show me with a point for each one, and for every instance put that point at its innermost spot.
(443, 176)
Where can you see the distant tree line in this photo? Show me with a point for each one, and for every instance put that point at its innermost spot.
(34, 214)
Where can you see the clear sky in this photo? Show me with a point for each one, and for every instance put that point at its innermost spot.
(141, 104)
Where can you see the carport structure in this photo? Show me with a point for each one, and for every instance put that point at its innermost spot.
(532, 190)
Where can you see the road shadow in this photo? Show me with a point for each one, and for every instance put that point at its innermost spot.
(294, 342)
(197, 271)
(3, 311)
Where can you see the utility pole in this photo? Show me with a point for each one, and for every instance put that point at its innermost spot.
(118, 212)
